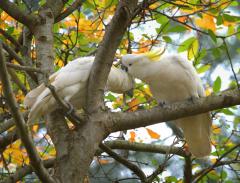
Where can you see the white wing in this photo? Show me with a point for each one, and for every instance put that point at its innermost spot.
(68, 81)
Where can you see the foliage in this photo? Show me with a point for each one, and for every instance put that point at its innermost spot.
(203, 31)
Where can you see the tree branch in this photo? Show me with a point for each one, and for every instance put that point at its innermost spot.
(24, 68)
(13, 54)
(25, 170)
(129, 120)
(143, 147)
(125, 162)
(21, 16)
(188, 170)
(4, 126)
(218, 163)
(20, 123)
(8, 139)
(10, 38)
(76, 4)
(105, 53)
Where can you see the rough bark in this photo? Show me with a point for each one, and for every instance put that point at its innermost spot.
(75, 148)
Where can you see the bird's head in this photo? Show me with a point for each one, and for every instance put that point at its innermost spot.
(135, 64)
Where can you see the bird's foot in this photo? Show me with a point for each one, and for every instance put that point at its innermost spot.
(70, 108)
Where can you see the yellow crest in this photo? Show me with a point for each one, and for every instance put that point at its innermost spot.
(154, 55)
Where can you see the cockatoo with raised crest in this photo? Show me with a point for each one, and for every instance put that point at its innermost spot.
(70, 84)
(171, 79)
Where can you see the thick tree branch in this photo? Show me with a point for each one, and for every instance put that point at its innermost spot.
(141, 118)
(105, 53)
(76, 4)
(125, 162)
(21, 16)
(20, 123)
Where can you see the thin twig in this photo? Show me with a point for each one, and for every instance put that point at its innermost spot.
(35, 160)
(125, 162)
(24, 68)
(25, 170)
(69, 10)
(231, 64)
(218, 162)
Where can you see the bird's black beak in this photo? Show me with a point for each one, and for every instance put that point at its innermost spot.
(123, 67)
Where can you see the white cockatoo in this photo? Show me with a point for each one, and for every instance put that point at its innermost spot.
(70, 84)
(171, 79)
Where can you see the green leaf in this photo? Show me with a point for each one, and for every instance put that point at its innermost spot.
(230, 18)
(212, 35)
(234, 3)
(193, 49)
(10, 30)
(167, 39)
(213, 175)
(231, 30)
(110, 97)
(219, 20)
(186, 44)
(227, 111)
(178, 28)
(161, 19)
(217, 84)
(216, 52)
(203, 68)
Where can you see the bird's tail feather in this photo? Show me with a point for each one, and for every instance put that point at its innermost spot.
(32, 96)
(197, 131)
(40, 108)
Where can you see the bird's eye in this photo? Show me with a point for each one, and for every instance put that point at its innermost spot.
(129, 64)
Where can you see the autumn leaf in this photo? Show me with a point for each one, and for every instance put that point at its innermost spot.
(216, 129)
(152, 134)
(182, 19)
(133, 105)
(206, 22)
(103, 161)
(132, 136)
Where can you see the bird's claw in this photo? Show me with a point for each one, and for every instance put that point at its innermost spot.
(70, 107)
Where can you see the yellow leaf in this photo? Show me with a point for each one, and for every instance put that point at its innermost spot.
(148, 91)
(216, 129)
(193, 50)
(153, 134)
(35, 128)
(132, 136)
(206, 22)
(154, 5)
(213, 160)
(208, 91)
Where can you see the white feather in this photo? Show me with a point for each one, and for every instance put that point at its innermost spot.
(173, 79)
(70, 83)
